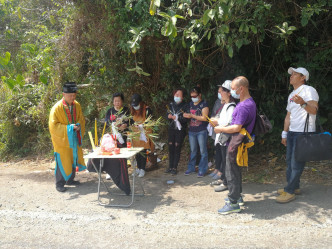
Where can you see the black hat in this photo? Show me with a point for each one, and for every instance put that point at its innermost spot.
(136, 99)
(69, 87)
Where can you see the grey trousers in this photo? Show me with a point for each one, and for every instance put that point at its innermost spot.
(234, 179)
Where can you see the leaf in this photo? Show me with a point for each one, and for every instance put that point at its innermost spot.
(5, 60)
(19, 14)
(43, 79)
(52, 19)
(209, 35)
(241, 27)
(174, 19)
(225, 28)
(192, 49)
(206, 17)
(218, 40)
(153, 8)
(230, 52)
(20, 80)
(178, 16)
(169, 28)
(10, 83)
(211, 13)
(163, 14)
(304, 21)
(239, 43)
(184, 45)
(253, 29)
(190, 12)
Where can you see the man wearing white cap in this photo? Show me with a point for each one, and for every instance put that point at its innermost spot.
(302, 101)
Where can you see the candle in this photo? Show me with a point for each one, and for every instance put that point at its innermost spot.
(96, 135)
(91, 141)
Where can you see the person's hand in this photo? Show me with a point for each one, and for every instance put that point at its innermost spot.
(298, 99)
(122, 127)
(170, 116)
(187, 115)
(214, 121)
(284, 141)
(77, 127)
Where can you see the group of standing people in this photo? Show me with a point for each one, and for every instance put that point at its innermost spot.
(229, 119)
(234, 111)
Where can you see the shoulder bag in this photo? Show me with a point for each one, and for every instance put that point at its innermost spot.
(313, 146)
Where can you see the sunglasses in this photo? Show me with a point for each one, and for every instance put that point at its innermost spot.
(194, 96)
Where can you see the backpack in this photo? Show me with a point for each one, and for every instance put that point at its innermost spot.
(262, 125)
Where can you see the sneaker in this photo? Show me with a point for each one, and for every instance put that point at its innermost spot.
(188, 172)
(218, 182)
(61, 189)
(108, 177)
(216, 177)
(285, 197)
(168, 171)
(212, 174)
(200, 175)
(173, 172)
(220, 188)
(141, 173)
(296, 191)
(239, 201)
(229, 208)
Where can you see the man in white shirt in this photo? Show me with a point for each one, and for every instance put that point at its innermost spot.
(302, 101)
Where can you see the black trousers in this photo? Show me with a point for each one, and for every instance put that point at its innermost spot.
(220, 158)
(141, 159)
(60, 181)
(175, 141)
(234, 178)
(116, 168)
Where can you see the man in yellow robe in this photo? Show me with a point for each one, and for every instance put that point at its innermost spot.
(67, 127)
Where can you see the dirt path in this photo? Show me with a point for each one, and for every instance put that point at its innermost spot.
(184, 215)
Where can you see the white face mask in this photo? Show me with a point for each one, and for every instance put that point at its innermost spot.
(219, 96)
(195, 99)
(136, 107)
(177, 99)
(234, 94)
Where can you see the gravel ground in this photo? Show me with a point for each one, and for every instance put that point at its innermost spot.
(183, 215)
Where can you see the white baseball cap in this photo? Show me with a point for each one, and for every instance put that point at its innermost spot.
(227, 84)
(300, 70)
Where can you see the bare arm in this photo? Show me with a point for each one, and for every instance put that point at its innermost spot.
(205, 113)
(228, 129)
(312, 106)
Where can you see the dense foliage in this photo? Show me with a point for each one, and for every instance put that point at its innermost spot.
(150, 47)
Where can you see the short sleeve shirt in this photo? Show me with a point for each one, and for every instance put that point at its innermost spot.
(197, 125)
(245, 114)
(297, 114)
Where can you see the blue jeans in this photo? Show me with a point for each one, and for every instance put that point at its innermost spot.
(294, 168)
(200, 138)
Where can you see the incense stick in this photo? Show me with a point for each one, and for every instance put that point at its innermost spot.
(103, 130)
(91, 140)
(209, 120)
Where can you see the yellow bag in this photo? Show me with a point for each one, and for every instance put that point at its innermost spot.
(242, 152)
